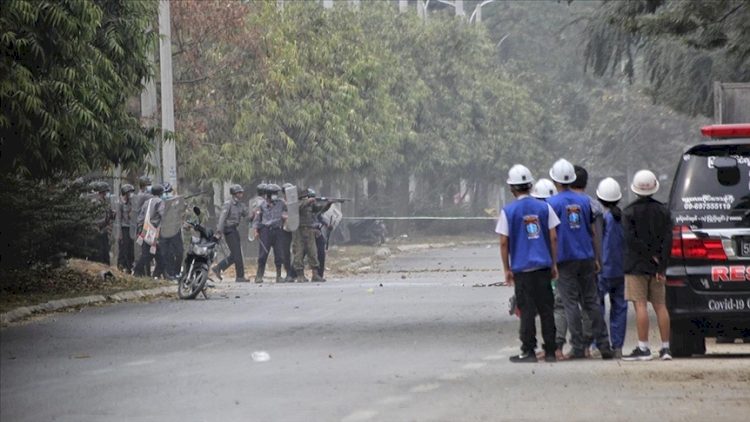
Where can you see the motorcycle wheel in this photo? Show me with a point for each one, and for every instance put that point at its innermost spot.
(191, 284)
(379, 240)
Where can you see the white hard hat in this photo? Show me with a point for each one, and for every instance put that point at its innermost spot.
(645, 183)
(563, 172)
(519, 175)
(609, 190)
(543, 188)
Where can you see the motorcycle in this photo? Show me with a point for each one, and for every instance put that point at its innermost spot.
(201, 254)
(362, 232)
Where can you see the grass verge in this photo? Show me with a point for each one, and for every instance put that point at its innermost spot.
(79, 278)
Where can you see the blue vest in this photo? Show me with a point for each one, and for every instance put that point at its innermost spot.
(574, 241)
(613, 248)
(528, 247)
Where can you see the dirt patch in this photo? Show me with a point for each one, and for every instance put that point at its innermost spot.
(78, 278)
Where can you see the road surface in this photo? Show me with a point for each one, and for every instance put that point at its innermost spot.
(414, 342)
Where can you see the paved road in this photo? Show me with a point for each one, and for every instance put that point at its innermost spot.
(424, 346)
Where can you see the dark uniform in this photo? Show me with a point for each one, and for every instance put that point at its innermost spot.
(126, 256)
(100, 242)
(268, 223)
(232, 213)
(320, 225)
(156, 204)
(171, 248)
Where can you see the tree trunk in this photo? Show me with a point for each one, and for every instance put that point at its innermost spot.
(401, 207)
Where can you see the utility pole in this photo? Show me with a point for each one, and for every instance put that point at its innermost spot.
(459, 6)
(169, 155)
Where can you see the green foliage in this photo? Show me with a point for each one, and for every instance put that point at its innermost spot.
(369, 92)
(684, 46)
(50, 220)
(69, 69)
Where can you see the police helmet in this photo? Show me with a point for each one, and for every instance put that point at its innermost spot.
(311, 193)
(302, 193)
(235, 189)
(168, 188)
(261, 189)
(103, 187)
(126, 189)
(144, 181)
(157, 190)
(272, 188)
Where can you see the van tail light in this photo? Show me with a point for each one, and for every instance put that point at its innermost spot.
(675, 283)
(687, 245)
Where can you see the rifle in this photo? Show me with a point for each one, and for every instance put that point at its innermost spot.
(339, 200)
(196, 194)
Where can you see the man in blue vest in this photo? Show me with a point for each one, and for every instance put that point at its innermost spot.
(578, 261)
(528, 248)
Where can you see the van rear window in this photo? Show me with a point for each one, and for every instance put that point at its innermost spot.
(699, 186)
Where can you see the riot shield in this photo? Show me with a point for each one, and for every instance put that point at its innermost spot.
(334, 215)
(174, 210)
(292, 208)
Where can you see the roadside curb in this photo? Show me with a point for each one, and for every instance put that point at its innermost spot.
(56, 305)
(365, 264)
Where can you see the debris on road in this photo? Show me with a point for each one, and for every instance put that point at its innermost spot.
(479, 285)
(261, 356)
(370, 291)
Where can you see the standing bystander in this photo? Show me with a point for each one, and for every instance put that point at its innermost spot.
(648, 236)
(528, 249)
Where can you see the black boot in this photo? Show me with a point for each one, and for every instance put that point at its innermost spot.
(301, 277)
(279, 279)
(259, 274)
(316, 278)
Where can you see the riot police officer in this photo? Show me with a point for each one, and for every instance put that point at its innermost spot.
(126, 256)
(144, 194)
(154, 207)
(100, 243)
(171, 247)
(303, 239)
(232, 213)
(286, 236)
(321, 228)
(268, 230)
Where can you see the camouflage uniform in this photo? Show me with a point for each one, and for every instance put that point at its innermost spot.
(303, 239)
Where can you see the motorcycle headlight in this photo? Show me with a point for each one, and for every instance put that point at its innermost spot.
(199, 250)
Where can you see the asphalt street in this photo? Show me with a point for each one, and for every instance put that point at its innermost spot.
(416, 341)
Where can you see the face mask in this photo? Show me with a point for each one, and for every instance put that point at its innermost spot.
(130, 195)
(274, 197)
(148, 188)
(163, 196)
(169, 195)
(107, 196)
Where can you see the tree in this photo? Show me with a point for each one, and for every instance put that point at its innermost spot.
(69, 69)
(681, 46)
